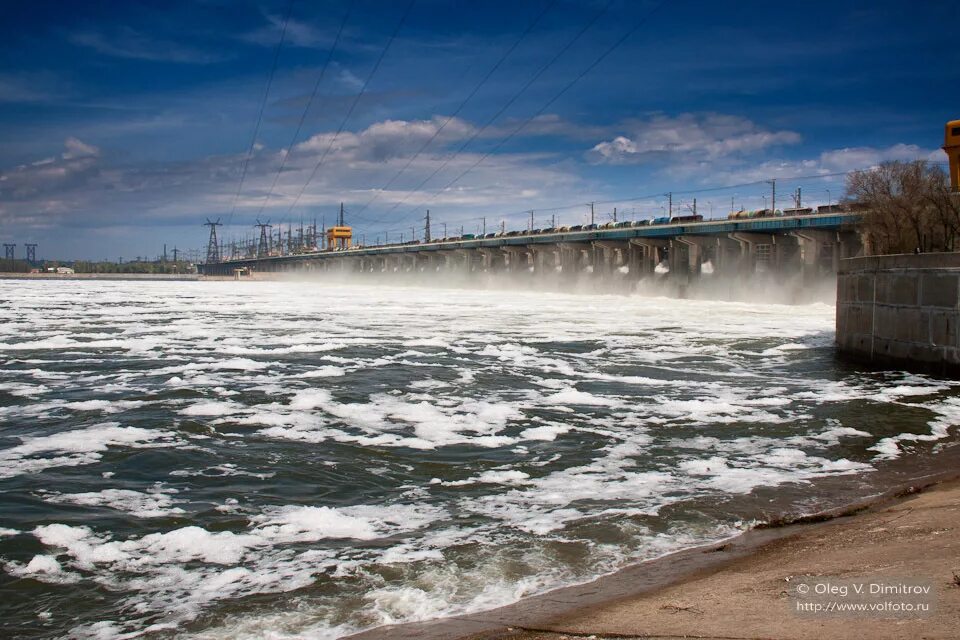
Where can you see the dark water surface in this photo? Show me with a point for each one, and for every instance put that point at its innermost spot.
(303, 460)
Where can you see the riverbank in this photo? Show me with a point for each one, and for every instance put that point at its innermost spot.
(753, 597)
(745, 588)
(100, 276)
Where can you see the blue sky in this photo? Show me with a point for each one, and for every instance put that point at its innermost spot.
(125, 125)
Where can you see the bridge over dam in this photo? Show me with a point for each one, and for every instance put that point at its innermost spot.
(811, 245)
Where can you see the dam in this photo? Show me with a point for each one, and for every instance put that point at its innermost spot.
(812, 244)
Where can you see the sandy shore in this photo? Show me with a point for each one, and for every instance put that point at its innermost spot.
(745, 589)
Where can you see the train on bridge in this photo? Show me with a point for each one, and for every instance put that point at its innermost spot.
(629, 224)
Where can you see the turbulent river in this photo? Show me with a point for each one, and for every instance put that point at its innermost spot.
(232, 459)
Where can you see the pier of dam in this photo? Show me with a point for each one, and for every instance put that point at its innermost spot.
(811, 245)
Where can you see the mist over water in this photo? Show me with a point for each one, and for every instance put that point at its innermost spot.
(227, 459)
(709, 284)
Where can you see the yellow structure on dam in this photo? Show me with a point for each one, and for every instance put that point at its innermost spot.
(339, 237)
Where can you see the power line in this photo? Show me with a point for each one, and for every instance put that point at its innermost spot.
(650, 196)
(658, 194)
(636, 27)
(263, 106)
(306, 109)
(466, 100)
(353, 105)
(510, 102)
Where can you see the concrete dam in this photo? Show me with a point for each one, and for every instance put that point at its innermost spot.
(810, 244)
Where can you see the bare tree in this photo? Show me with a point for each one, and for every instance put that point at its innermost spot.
(909, 207)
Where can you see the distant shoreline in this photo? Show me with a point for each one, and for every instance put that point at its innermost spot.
(99, 276)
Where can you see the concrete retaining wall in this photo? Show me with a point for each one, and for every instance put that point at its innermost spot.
(901, 311)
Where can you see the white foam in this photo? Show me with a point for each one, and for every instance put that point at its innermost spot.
(310, 399)
(211, 408)
(104, 406)
(310, 524)
(497, 375)
(77, 447)
(157, 565)
(490, 477)
(575, 397)
(227, 469)
(157, 503)
(44, 568)
(547, 432)
(324, 372)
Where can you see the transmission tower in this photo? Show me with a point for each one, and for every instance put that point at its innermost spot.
(263, 249)
(426, 228)
(31, 253)
(8, 251)
(213, 249)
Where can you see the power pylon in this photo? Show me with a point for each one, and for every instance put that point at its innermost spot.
(31, 253)
(8, 253)
(263, 249)
(213, 248)
(426, 228)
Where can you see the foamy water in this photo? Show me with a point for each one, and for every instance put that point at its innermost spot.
(303, 460)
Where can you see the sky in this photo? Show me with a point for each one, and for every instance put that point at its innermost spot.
(125, 126)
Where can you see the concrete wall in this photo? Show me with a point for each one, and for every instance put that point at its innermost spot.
(901, 311)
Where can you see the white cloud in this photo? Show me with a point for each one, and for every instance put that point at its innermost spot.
(851, 158)
(49, 178)
(349, 80)
(84, 186)
(668, 140)
(389, 139)
(552, 124)
(76, 148)
(125, 42)
(298, 34)
(826, 163)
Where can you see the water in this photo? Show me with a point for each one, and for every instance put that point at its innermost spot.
(225, 460)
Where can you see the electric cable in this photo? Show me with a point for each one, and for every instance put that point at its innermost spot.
(263, 106)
